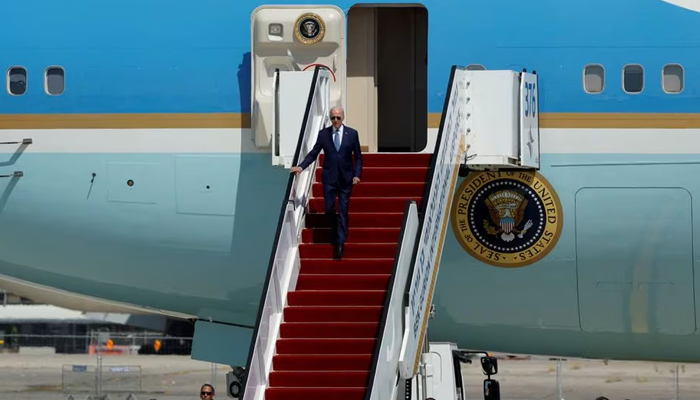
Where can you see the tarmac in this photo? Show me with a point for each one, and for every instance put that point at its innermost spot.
(40, 377)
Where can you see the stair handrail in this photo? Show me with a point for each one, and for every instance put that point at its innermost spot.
(316, 117)
(449, 153)
(274, 143)
(284, 257)
(381, 381)
(389, 363)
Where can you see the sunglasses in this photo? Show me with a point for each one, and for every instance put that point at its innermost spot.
(206, 393)
(334, 118)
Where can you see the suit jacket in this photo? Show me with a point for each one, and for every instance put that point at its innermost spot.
(337, 167)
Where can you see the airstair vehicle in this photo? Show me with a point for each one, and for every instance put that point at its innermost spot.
(357, 329)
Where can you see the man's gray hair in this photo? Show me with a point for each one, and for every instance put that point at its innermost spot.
(339, 108)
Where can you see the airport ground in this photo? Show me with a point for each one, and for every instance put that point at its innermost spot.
(39, 377)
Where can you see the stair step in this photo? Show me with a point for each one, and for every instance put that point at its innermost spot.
(388, 174)
(352, 250)
(342, 282)
(325, 346)
(371, 160)
(366, 330)
(336, 297)
(309, 379)
(296, 362)
(348, 266)
(384, 189)
(355, 235)
(367, 205)
(314, 393)
(359, 219)
(332, 314)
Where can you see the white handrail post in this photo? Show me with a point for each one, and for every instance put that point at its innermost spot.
(450, 149)
(285, 262)
(391, 338)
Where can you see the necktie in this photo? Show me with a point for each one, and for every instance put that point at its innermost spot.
(337, 140)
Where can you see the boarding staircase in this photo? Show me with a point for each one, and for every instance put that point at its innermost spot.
(352, 329)
(334, 314)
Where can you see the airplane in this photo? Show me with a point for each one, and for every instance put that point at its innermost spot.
(137, 176)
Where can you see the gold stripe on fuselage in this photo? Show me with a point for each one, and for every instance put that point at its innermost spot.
(620, 120)
(124, 121)
(242, 120)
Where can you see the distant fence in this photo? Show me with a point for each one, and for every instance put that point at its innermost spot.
(120, 379)
(97, 343)
(120, 376)
(103, 365)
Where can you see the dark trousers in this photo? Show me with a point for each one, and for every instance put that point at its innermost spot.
(339, 226)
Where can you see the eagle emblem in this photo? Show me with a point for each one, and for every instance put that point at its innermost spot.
(507, 211)
(500, 219)
(310, 28)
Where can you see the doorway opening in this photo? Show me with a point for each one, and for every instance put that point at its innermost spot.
(387, 76)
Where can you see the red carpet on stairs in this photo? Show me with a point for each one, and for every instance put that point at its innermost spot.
(331, 321)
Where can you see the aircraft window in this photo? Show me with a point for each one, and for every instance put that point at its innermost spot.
(475, 67)
(55, 81)
(594, 78)
(17, 81)
(633, 78)
(673, 78)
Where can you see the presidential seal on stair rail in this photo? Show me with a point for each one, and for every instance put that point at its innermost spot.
(507, 218)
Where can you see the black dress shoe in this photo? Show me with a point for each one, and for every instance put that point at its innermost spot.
(340, 251)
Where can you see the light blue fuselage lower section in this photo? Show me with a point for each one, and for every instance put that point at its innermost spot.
(619, 284)
(166, 242)
(627, 221)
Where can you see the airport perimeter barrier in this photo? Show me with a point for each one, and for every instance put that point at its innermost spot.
(107, 343)
(113, 379)
(103, 365)
(557, 379)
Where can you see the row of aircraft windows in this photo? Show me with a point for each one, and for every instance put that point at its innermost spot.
(593, 79)
(54, 81)
(672, 78)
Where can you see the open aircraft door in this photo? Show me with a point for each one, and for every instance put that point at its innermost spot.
(293, 38)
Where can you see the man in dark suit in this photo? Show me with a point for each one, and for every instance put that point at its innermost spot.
(339, 143)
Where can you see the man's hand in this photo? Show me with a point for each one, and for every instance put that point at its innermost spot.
(355, 180)
(296, 170)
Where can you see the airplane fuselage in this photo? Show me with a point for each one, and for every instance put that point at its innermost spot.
(144, 189)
